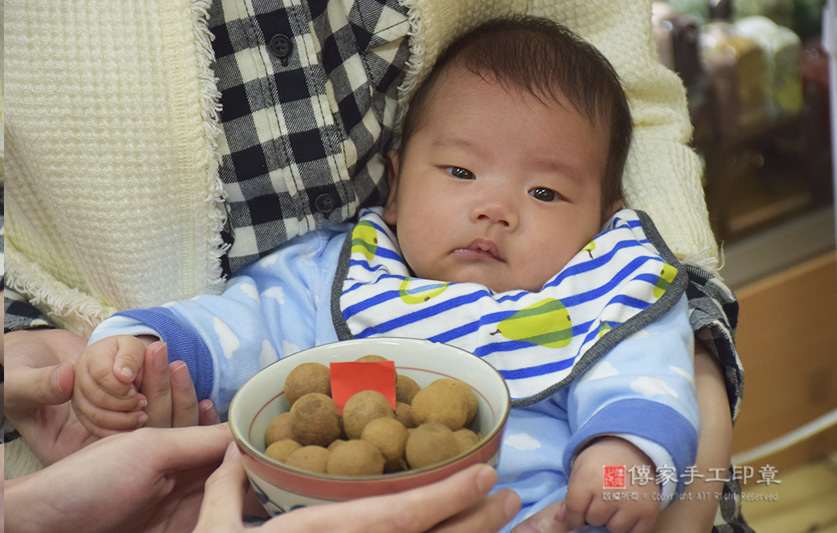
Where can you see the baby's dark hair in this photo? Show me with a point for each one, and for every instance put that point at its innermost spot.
(547, 60)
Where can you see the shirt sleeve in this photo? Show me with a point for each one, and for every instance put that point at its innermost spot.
(269, 311)
(713, 313)
(643, 391)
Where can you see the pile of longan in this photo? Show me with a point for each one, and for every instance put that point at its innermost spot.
(370, 438)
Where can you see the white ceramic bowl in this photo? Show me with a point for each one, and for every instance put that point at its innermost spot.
(261, 398)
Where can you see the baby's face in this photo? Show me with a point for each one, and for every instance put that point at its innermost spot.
(495, 186)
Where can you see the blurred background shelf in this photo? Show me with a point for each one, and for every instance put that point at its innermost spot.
(757, 79)
(787, 337)
(803, 503)
(771, 251)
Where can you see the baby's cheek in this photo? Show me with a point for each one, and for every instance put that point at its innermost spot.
(539, 272)
(417, 251)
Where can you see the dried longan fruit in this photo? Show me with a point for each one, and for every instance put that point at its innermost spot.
(466, 439)
(362, 408)
(404, 414)
(429, 444)
(371, 358)
(355, 458)
(306, 378)
(335, 443)
(281, 449)
(405, 388)
(466, 390)
(279, 428)
(310, 458)
(390, 437)
(315, 420)
(440, 403)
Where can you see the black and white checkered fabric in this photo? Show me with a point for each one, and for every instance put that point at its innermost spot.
(20, 314)
(729, 518)
(308, 95)
(713, 313)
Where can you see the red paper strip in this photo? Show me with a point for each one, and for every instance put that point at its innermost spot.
(352, 377)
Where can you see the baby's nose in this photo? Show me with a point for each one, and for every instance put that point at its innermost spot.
(496, 208)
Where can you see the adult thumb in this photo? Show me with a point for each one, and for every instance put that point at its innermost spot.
(28, 389)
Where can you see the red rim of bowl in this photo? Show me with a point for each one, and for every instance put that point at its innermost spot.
(338, 488)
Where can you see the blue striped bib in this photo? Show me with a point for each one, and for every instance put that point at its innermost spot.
(539, 341)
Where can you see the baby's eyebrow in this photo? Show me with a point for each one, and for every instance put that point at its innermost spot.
(457, 142)
(558, 166)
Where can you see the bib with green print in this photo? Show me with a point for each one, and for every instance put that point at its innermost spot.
(539, 341)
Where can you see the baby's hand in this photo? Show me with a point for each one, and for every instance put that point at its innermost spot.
(105, 394)
(585, 503)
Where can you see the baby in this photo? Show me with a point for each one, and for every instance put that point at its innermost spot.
(503, 234)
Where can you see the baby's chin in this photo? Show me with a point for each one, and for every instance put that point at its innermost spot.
(507, 287)
(495, 281)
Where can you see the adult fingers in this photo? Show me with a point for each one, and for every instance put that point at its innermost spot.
(423, 508)
(28, 389)
(544, 521)
(488, 515)
(156, 385)
(223, 498)
(179, 449)
(449, 497)
(172, 400)
(207, 413)
(414, 511)
(184, 405)
(35, 376)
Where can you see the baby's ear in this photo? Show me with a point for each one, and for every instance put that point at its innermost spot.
(390, 214)
(614, 207)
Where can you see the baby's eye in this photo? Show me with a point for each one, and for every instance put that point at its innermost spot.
(460, 173)
(544, 195)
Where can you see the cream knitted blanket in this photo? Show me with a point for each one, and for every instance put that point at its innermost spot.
(127, 213)
(121, 206)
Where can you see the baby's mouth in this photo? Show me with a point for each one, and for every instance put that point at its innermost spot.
(480, 248)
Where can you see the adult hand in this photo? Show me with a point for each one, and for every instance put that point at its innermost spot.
(459, 503)
(543, 521)
(38, 366)
(146, 480)
(168, 387)
(39, 382)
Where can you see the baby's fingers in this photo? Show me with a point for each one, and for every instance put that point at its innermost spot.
(107, 393)
(575, 509)
(130, 352)
(103, 422)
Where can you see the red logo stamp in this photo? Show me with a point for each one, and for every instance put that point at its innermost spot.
(613, 477)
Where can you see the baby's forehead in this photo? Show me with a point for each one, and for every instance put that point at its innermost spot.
(457, 76)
